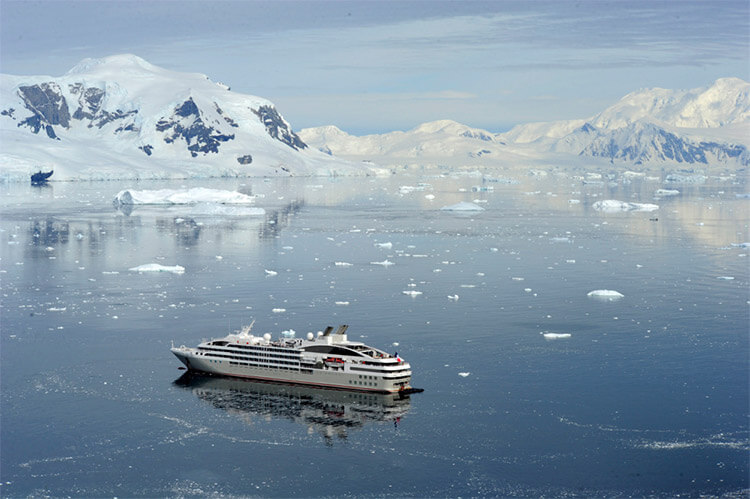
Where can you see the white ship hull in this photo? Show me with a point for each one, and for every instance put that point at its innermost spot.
(343, 377)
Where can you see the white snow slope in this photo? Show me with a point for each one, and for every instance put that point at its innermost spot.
(121, 117)
(704, 127)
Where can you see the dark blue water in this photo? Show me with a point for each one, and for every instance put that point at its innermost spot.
(648, 395)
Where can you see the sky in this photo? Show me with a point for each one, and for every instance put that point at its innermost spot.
(374, 67)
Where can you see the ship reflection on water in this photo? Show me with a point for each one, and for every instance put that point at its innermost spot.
(332, 413)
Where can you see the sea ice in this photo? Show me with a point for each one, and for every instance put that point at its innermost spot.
(384, 263)
(271, 272)
(181, 196)
(463, 375)
(387, 245)
(343, 264)
(155, 267)
(605, 294)
(612, 206)
(666, 192)
(555, 336)
(412, 293)
(462, 206)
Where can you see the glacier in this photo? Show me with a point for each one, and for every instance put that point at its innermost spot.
(120, 117)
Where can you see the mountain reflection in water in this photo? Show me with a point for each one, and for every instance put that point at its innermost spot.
(331, 412)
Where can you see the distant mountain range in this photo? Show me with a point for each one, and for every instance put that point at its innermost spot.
(704, 128)
(121, 117)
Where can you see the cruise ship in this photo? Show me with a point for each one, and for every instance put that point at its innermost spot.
(326, 360)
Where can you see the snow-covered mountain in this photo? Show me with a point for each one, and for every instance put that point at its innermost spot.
(704, 127)
(121, 117)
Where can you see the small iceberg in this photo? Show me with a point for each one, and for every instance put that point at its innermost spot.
(412, 293)
(387, 245)
(384, 263)
(463, 375)
(555, 336)
(660, 193)
(181, 196)
(462, 206)
(614, 206)
(605, 295)
(155, 267)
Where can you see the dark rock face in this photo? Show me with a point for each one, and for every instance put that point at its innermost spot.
(148, 149)
(48, 106)
(245, 160)
(187, 124)
(477, 135)
(89, 108)
(278, 128)
(654, 143)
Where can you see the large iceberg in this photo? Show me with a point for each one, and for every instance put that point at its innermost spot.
(155, 267)
(605, 294)
(181, 196)
(612, 205)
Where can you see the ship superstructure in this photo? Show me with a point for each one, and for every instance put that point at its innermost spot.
(328, 359)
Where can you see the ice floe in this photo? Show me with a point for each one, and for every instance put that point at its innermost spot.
(612, 206)
(660, 193)
(556, 336)
(384, 263)
(271, 272)
(155, 267)
(464, 374)
(605, 294)
(387, 245)
(412, 293)
(463, 206)
(181, 196)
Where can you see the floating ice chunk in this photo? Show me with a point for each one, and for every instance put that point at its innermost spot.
(342, 303)
(278, 310)
(555, 336)
(685, 179)
(57, 309)
(412, 292)
(289, 333)
(560, 239)
(453, 297)
(181, 196)
(384, 263)
(517, 278)
(155, 267)
(574, 201)
(287, 248)
(429, 196)
(271, 272)
(343, 264)
(726, 278)
(387, 245)
(741, 245)
(395, 343)
(462, 206)
(463, 375)
(219, 257)
(666, 192)
(605, 294)
(612, 206)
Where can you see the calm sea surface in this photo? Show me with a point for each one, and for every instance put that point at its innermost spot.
(648, 395)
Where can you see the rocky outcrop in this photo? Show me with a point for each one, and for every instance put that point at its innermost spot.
(187, 124)
(278, 128)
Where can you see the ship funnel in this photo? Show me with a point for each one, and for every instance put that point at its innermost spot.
(342, 329)
(328, 331)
